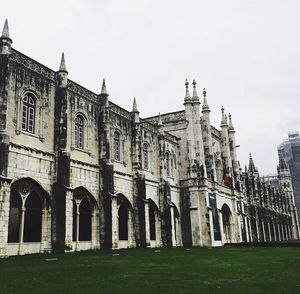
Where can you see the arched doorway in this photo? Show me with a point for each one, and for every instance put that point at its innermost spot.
(29, 218)
(125, 222)
(84, 205)
(227, 223)
(177, 226)
(154, 234)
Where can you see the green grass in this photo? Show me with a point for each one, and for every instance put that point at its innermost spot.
(196, 270)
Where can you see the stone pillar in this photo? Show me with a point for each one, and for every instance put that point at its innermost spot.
(4, 214)
(21, 232)
(77, 247)
(173, 227)
(221, 227)
(274, 230)
(44, 230)
(279, 232)
(250, 230)
(147, 223)
(115, 222)
(263, 230)
(282, 232)
(94, 230)
(269, 230)
(69, 221)
(246, 228)
(131, 241)
(158, 242)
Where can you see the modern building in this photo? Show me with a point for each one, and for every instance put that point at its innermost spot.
(79, 172)
(289, 149)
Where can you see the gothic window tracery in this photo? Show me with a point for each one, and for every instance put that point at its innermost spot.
(28, 113)
(79, 131)
(116, 146)
(145, 156)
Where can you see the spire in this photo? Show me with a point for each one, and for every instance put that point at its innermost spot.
(103, 88)
(187, 97)
(231, 127)
(62, 66)
(5, 31)
(224, 118)
(205, 106)
(195, 94)
(252, 168)
(134, 106)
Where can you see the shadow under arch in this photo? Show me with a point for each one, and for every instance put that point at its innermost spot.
(227, 223)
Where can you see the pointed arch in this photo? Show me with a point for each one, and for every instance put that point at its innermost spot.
(227, 223)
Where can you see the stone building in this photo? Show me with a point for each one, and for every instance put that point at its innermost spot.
(78, 172)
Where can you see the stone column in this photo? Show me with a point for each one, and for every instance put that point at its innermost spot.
(77, 247)
(44, 230)
(93, 230)
(279, 232)
(158, 242)
(269, 229)
(115, 222)
(131, 240)
(173, 226)
(21, 232)
(221, 227)
(4, 214)
(274, 230)
(147, 223)
(69, 221)
(250, 229)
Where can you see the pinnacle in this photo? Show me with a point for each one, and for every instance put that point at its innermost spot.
(195, 94)
(187, 93)
(5, 32)
(103, 88)
(134, 106)
(62, 66)
(205, 106)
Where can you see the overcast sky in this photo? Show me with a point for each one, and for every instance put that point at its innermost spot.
(245, 53)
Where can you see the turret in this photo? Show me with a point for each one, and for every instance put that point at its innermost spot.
(5, 40)
(207, 140)
(225, 148)
(62, 74)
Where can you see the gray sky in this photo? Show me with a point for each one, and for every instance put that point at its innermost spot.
(245, 53)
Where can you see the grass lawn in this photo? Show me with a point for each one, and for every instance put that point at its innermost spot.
(194, 270)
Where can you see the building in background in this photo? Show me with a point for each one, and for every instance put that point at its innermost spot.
(78, 172)
(289, 149)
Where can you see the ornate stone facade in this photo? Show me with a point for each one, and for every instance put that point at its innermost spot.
(78, 172)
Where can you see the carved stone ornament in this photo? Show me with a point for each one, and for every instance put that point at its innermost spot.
(24, 189)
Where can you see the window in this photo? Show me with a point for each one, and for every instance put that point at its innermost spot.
(79, 131)
(116, 146)
(168, 164)
(28, 113)
(145, 156)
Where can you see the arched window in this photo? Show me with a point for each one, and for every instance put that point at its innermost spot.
(14, 217)
(85, 221)
(168, 164)
(145, 156)
(79, 131)
(116, 146)
(28, 113)
(123, 222)
(33, 218)
(152, 224)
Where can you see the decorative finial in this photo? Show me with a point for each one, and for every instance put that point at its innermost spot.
(224, 118)
(251, 164)
(62, 66)
(195, 94)
(187, 97)
(5, 31)
(134, 106)
(205, 106)
(103, 88)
